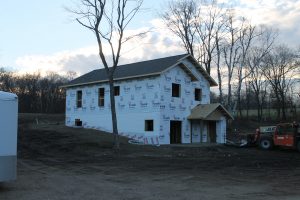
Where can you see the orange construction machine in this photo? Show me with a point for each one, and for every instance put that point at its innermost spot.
(283, 135)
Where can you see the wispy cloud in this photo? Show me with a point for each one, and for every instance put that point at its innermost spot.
(281, 14)
(60, 62)
(157, 43)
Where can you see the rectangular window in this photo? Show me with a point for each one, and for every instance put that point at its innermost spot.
(79, 99)
(175, 90)
(149, 125)
(117, 90)
(101, 97)
(198, 94)
(285, 129)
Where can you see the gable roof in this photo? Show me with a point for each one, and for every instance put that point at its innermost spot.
(202, 71)
(209, 112)
(138, 69)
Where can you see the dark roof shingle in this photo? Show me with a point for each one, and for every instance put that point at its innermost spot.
(129, 70)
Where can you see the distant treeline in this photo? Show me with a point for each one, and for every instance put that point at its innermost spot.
(36, 93)
(269, 108)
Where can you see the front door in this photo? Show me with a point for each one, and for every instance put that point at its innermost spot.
(175, 132)
(212, 131)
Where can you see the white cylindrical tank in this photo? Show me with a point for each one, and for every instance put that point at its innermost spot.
(8, 135)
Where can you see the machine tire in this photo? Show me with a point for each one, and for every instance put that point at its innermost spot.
(266, 143)
(298, 145)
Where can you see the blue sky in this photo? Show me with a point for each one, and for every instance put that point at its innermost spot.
(45, 27)
(41, 35)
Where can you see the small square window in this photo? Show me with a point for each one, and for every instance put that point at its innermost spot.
(117, 90)
(175, 90)
(78, 122)
(101, 97)
(198, 94)
(79, 99)
(148, 125)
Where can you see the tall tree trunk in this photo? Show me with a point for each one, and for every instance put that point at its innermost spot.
(221, 101)
(283, 106)
(229, 102)
(261, 111)
(113, 113)
(278, 102)
(247, 100)
(239, 100)
(258, 107)
(247, 109)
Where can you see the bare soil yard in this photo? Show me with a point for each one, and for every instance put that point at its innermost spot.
(60, 163)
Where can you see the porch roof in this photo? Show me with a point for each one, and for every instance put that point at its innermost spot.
(209, 112)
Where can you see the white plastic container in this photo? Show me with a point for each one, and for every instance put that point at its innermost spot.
(8, 136)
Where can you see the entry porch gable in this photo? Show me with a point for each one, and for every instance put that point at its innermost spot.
(208, 123)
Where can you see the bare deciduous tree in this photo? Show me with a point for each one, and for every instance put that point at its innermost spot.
(197, 24)
(219, 69)
(180, 18)
(108, 20)
(6, 80)
(37, 94)
(71, 75)
(209, 27)
(254, 59)
(279, 68)
(237, 48)
(247, 34)
(231, 55)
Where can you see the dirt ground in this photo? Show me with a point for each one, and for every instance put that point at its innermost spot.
(59, 163)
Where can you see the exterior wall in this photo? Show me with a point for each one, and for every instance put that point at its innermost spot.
(179, 108)
(8, 136)
(138, 101)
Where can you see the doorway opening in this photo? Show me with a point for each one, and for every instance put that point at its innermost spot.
(175, 132)
(212, 131)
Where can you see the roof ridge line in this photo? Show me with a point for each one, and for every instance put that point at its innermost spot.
(183, 55)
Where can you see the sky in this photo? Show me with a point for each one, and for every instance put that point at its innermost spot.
(40, 35)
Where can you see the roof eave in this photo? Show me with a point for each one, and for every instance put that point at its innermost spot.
(211, 81)
(188, 72)
(216, 107)
(106, 80)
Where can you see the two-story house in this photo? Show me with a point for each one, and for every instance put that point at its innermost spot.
(159, 101)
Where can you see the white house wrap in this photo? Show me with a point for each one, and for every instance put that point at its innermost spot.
(153, 101)
(8, 136)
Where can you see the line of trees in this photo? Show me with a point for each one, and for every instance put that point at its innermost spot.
(248, 62)
(36, 93)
